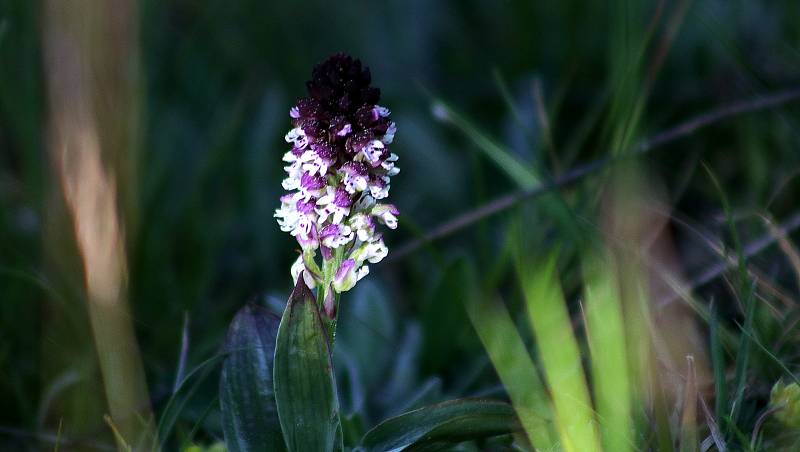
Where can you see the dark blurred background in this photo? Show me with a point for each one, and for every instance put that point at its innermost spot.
(203, 96)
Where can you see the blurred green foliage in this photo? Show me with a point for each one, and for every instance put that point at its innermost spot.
(218, 79)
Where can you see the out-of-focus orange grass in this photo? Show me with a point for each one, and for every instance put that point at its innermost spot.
(90, 58)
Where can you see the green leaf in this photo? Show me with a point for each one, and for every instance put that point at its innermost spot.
(450, 422)
(308, 407)
(249, 414)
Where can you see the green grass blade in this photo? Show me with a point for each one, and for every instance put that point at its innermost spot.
(689, 441)
(746, 292)
(661, 415)
(561, 360)
(514, 366)
(718, 363)
(174, 407)
(771, 355)
(609, 358)
(187, 442)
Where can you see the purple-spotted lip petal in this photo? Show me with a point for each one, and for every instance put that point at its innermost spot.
(359, 140)
(306, 207)
(325, 151)
(377, 181)
(313, 128)
(355, 169)
(342, 198)
(330, 230)
(309, 182)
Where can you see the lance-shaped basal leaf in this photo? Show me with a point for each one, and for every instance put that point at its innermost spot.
(450, 422)
(308, 407)
(249, 415)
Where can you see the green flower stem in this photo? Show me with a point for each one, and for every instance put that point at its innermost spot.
(330, 324)
(329, 268)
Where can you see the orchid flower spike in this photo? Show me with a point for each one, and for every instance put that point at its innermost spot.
(338, 176)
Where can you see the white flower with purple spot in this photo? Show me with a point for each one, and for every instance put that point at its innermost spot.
(336, 235)
(363, 225)
(348, 274)
(312, 186)
(297, 136)
(387, 214)
(379, 186)
(355, 176)
(336, 203)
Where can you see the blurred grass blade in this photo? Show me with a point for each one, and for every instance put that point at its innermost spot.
(515, 169)
(450, 423)
(547, 312)
(609, 359)
(745, 289)
(249, 415)
(514, 366)
(94, 170)
(661, 419)
(743, 355)
(187, 441)
(122, 444)
(689, 441)
(785, 244)
(771, 355)
(177, 402)
(718, 363)
(183, 354)
(713, 428)
(508, 100)
(305, 389)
